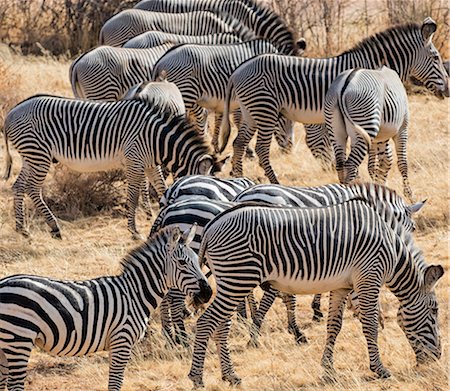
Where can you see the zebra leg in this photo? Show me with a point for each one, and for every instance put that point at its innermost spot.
(318, 142)
(240, 145)
(135, 178)
(237, 120)
(119, 355)
(18, 189)
(177, 311)
(221, 337)
(36, 178)
(385, 160)
(369, 308)
(400, 141)
(284, 134)
(217, 313)
(264, 138)
(290, 301)
(252, 305)
(17, 357)
(315, 305)
(164, 310)
(264, 306)
(334, 324)
(215, 134)
(4, 370)
(241, 311)
(373, 163)
(359, 150)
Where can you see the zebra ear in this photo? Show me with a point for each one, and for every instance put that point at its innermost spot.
(189, 234)
(428, 28)
(414, 208)
(431, 276)
(133, 92)
(205, 165)
(175, 237)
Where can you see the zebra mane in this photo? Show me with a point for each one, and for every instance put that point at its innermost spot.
(377, 39)
(153, 242)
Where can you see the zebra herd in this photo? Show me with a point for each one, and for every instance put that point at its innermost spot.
(143, 107)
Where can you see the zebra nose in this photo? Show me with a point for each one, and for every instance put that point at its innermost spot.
(205, 292)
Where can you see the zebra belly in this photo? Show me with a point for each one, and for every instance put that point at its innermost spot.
(303, 116)
(91, 165)
(386, 132)
(301, 286)
(215, 104)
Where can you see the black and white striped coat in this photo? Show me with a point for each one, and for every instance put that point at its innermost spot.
(76, 318)
(313, 250)
(256, 16)
(98, 136)
(130, 23)
(271, 85)
(107, 73)
(151, 39)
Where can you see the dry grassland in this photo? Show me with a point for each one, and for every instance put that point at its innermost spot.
(93, 246)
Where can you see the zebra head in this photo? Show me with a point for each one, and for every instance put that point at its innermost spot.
(418, 318)
(183, 269)
(428, 68)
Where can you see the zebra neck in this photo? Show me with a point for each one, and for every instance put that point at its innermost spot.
(394, 51)
(146, 289)
(407, 278)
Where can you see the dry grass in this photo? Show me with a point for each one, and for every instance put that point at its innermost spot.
(93, 246)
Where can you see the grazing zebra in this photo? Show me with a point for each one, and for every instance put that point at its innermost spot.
(312, 250)
(76, 318)
(155, 38)
(90, 136)
(130, 23)
(201, 72)
(204, 187)
(271, 85)
(184, 214)
(370, 107)
(258, 17)
(107, 73)
(382, 199)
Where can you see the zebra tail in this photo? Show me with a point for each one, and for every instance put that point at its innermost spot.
(7, 173)
(225, 127)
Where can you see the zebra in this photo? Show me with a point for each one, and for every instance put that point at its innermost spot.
(89, 136)
(155, 38)
(107, 73)
(76, 318)
(383, 199)
(130, 23)
(270, 85)
(369, 107)
(258, 17)
(184, 214)
(204, 187)
(310, 250)
(201, 72)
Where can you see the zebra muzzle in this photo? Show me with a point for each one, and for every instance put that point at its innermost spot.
(203, 295)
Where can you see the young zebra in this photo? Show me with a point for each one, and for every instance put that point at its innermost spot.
(90, 136)
(370, 107)
(382, 199)
(185, 214)
(312, 250)
(75, 318)
(205, 187)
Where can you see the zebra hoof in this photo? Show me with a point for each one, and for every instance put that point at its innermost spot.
(232, 378)
(137, 236)
(23, 232)
(197, 380)
(383, 373)
(253, 343)
(56, 234)
(329, 377)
